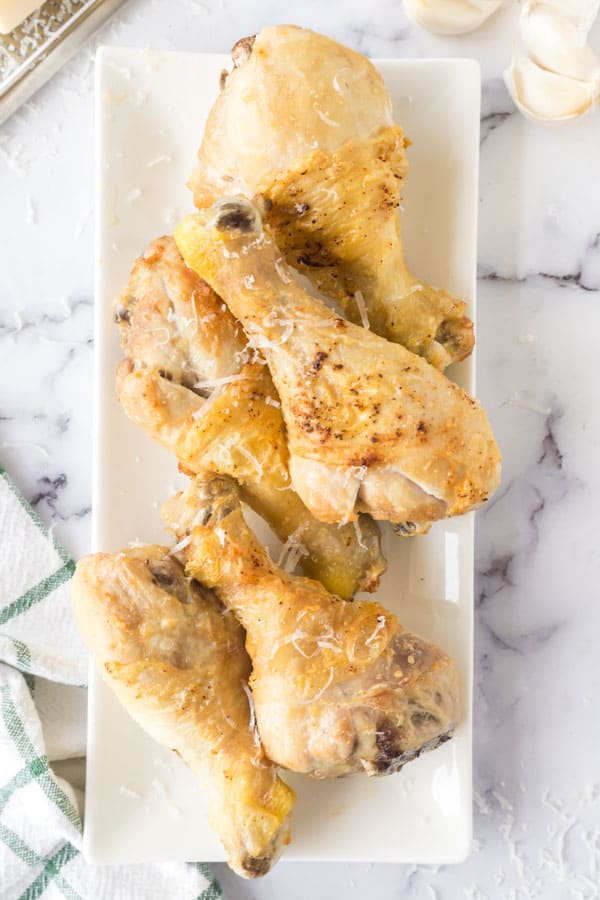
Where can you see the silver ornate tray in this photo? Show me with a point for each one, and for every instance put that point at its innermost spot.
(37, 48)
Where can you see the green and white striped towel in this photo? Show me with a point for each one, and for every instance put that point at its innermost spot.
(43, 667)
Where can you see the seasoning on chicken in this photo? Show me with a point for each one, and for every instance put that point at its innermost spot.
(176, 661)
(191, 382)
(338, 687)
(371, 427)
(307, 123)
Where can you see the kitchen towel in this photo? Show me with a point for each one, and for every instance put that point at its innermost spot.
(43, 670)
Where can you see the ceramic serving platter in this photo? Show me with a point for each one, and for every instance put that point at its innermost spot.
(142, 803)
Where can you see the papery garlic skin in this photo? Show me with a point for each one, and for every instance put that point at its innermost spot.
(552, 36)
(451, 16)
(555, 77)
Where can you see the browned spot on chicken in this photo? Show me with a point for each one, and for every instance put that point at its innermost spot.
(164, 659)
(254, 866)
(319, 359)
(242, 50)
(445, 464)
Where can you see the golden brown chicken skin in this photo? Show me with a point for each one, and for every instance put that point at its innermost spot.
(176, 661)
(335, 218)
(307, 123)
(190, 381)
(338, 687)
(371, 427)
(280, 101)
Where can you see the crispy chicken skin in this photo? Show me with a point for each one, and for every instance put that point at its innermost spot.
(370, 426)
(176, 661)
(338, 687)
(281, 100)
(335, 218)
(173, 323)
(307, 123)
(189, 381)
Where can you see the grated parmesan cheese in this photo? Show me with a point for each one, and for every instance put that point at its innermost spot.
(181, 545)
(362, 309)
(164, 331)
(209, 383)
(258, 339)
(356, 524)
(127, 792)
(320, 693)
(181, 321)
(325, 118)
(377, 629)
(519, 402)
(252, 724)
(203, 410)
(251, 459)
(293, 550)
(281, 269)
(164, 795)
(133, 195)
(159, 159)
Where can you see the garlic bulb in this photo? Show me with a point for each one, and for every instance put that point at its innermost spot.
(554, 75)
(451, 16)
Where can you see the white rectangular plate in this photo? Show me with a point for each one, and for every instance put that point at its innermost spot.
(142, 803)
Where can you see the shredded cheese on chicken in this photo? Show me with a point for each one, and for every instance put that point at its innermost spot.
(208, 383)
(320, 693)
(376, 630)
(362, 309)
(181, 545)
(252, 724)
(292, 551)
(251, 458)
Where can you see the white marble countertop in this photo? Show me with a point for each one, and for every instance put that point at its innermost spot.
(537, 678)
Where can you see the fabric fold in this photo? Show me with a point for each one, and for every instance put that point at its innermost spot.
(43, 673)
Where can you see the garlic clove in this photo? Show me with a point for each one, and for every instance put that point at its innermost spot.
(555, 77)
(451, 16)
(545, 96)
(581, 12)
(554, 40)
